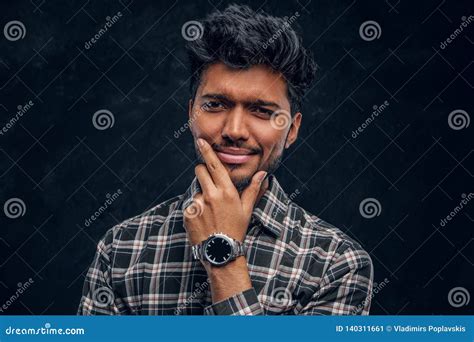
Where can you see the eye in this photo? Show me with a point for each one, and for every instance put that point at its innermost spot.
(262, 112)
(213, 106)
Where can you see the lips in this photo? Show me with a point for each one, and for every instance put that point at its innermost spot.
(234, 155)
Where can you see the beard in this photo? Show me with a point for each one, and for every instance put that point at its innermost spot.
(242, 183)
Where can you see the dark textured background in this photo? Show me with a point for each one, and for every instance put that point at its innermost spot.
(409, 158)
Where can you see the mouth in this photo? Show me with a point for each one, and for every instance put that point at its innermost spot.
(234, 155)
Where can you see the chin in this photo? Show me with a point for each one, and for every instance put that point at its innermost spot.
(240, 179)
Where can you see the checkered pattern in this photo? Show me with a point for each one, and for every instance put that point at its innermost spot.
(298, 264)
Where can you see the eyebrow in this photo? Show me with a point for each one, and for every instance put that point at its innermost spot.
(256, 102)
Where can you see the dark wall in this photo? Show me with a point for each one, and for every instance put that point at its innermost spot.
(414, 158)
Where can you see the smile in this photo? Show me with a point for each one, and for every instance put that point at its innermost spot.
(234, 158)
(234, 155)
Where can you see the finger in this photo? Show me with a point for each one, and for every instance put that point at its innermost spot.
(217, 171)
(249, 195)
(204, 178)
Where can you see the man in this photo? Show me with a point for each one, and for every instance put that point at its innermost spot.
(234, 243)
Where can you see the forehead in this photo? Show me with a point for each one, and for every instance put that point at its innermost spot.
(256, 82)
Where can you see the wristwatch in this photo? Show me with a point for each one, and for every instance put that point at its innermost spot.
(219, 249)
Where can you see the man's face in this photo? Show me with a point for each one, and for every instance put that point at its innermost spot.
(232, 111)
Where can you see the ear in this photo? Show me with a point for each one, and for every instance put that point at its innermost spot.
(294, 129)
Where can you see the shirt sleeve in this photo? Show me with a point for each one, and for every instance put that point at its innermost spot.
(98, 297)
(245, 303)
(346, 288)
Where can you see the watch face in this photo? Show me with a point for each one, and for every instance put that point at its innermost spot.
(218, 250)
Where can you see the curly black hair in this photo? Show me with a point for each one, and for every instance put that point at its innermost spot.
(240, 37)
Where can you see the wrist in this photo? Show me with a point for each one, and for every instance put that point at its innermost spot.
(229, 280)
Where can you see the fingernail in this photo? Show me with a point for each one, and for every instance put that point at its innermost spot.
(262, 177)
(200, 142)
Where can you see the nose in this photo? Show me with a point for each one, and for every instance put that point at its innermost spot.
(235, 127)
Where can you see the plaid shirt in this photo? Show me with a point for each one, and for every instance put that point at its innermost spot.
(298, 264)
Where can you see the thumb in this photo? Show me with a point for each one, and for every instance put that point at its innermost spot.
(249, 195)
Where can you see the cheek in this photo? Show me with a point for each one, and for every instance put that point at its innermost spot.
(203, 125)
(271, 140)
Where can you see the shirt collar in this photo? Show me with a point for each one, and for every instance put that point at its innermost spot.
(269, 212)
